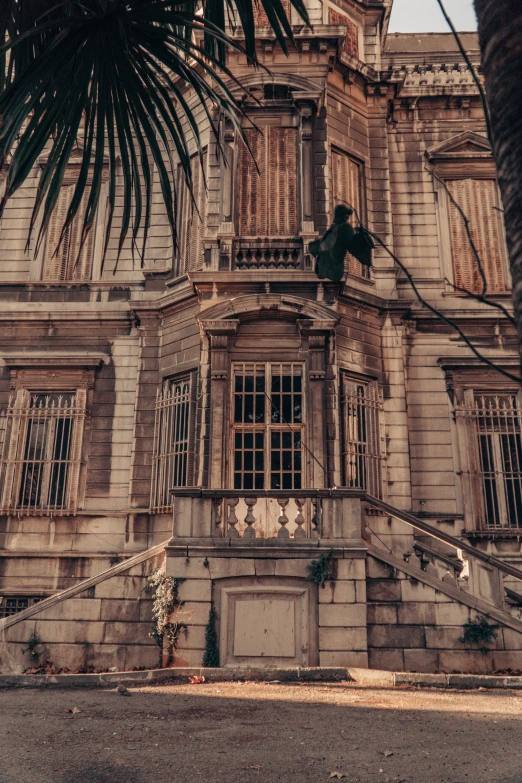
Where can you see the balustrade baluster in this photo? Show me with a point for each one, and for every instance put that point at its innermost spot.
(216, 517)
(232, 518)
(250, 518)
(283, 520)
(299, 520)
(315, 518)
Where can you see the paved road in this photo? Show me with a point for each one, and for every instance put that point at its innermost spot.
(260, 733)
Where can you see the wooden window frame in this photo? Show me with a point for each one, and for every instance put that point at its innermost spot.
(373, 460)
(97, 231)
(184, 260)
(465, 169)
(353, 268)
(267, 426)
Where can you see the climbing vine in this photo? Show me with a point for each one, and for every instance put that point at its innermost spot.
(322, 570)
(166, 601)
(211, 657)
(479, 632)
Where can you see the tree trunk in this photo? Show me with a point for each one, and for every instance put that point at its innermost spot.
(500, 34)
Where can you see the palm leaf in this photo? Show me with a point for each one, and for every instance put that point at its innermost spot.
(106, 79)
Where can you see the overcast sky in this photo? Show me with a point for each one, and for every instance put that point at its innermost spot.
(419, 16)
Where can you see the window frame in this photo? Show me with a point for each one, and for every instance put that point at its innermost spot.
(335, 149)
(267, 427)
(159, 458)
(375, 470)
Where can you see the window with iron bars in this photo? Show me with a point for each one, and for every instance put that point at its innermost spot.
(41, 453)
(492, 458)
(267, 426)
(10, 605)
(174, 432)
(362, 437)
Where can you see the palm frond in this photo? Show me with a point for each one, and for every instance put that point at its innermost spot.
(108, 78)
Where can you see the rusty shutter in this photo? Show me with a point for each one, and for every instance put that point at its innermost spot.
(478, 200)
(260, 17)
(268, 197)
(192, 220)
(346, 189)
(351, 41)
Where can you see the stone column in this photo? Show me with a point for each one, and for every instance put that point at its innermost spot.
(218, 333)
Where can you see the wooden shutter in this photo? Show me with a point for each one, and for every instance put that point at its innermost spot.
(260, 17)
(75, 454)
(346, 189)
(478, 199)
(473, 459)
(191, 225)
(64, 263)
(351, 41)
(268, 199)
(13, 448)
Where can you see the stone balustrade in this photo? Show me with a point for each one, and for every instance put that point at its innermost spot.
(269, 257)
(260, 516)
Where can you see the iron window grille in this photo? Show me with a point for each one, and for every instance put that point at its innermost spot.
(10, 605)
(174, 432)
(41, 454)
(267, 426)
(492, 458)
(362, 435)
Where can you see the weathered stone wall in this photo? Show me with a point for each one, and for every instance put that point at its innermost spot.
(414, 627)
(106, 626)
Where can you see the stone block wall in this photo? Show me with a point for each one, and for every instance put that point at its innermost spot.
(336, 618)
(414, 627)
(106, 626)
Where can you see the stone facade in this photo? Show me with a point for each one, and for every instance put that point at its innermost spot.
(229, 366)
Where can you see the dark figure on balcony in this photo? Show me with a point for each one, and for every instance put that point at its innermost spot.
(341, 238)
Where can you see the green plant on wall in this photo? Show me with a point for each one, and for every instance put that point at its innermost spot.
(322, 570)
(211, 657)
(166, 602)
(32, 648)
(479, 632)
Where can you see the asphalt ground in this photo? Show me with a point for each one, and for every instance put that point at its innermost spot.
(260, 733)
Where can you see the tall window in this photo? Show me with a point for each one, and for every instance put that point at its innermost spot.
(494, 446)
(192, 217)
(478, 198)
(68, 260)
(346, 189)
(173, 454)
(268, 193)
(267, 426)
(363, 450)
(41, 459)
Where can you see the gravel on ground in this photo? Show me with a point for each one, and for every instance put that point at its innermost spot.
(260, 733)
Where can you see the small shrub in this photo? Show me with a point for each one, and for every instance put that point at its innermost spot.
(322, 570)
(479, 632)
(211, 657)
(32, 645)
(166, 601)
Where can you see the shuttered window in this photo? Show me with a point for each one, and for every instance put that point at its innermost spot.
(268, 197)
(68, 260)
(479, 200)
(260, 17)
(346, 189)
(351, 41)
(192, 217)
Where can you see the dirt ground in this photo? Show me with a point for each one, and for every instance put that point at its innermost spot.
(260, 733)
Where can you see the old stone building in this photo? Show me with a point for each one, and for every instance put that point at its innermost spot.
(271, 401)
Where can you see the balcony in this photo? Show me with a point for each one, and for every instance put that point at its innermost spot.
(263, 253)
(267, 517)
